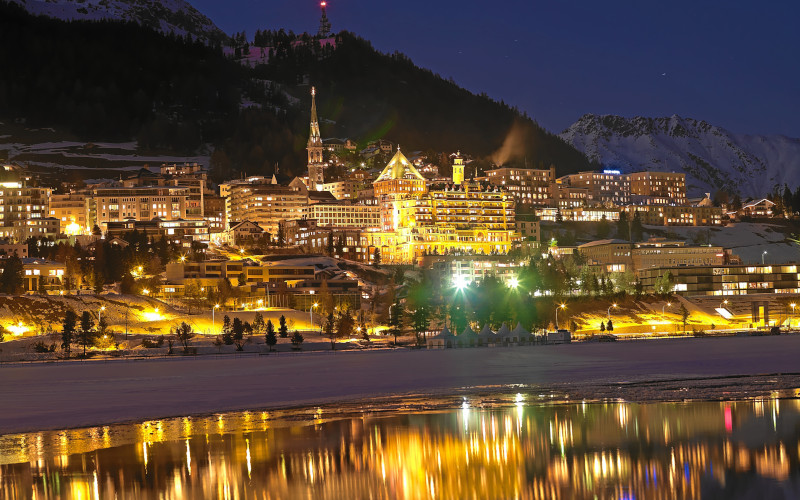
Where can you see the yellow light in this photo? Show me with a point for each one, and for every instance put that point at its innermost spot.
(73, 229)
(102, 308)
(563, 306)
(183, 258)
(315, 304)
(614, 305)
(17, 329)
(146, 291)
(216, 306)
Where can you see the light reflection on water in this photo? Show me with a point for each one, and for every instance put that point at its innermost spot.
(745, 449)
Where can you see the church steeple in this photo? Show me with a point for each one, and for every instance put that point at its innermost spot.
(315, 164)
(458, 169)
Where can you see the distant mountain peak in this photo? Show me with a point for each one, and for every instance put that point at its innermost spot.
(165, 16)
(712, 157)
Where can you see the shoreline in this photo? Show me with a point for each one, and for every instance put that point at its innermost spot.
(39, 397)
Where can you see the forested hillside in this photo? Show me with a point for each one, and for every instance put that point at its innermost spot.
(115, 81)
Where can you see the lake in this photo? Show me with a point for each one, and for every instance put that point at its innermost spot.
(510, 446)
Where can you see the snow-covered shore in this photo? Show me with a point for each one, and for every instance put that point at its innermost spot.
(36, 397)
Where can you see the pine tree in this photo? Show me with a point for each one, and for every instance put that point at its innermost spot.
(297, 339)
(270, 337)
(86, 334)
(258, 324)
(227, 331)
(376, 258)
(283, 329)
(684, 316)
(329, 328)
(237, 334)
(610, 326)
(602, 326)
(68, 330)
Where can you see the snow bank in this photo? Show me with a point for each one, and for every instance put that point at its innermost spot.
(75, 394)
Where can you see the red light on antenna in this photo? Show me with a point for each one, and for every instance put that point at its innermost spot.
(323, 4)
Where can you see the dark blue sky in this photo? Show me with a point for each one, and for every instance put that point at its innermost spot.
(735, 64)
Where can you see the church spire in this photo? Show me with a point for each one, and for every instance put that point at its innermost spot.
(316, 176)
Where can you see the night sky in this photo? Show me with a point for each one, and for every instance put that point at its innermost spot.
(734, 64)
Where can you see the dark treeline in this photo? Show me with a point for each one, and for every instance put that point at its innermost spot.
(114, 81)
(370, 95)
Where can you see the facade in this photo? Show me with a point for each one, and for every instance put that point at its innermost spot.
(526, 185)
(757, 208)
(727, 280)
(608, 187)
(179, 231)
(264, 202)
(244, 231)
(399, 178)
(137, 203)
(582, 214)
(663, 253)
(40, 275)
(19, 203)
(658, 188)
(676, 215)
(214, 213)
(529, 226)
(474, 268)
(345, 215)
(566, 197)
(71, 210)
(611, 256)
(467, 218)
(45, 227)
(9, 249)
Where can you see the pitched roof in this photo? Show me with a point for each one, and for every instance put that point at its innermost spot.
(399, 168)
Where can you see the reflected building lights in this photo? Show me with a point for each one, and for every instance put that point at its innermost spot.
(558, 451)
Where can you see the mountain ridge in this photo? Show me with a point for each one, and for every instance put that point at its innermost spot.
(712, 157)
(165, 16)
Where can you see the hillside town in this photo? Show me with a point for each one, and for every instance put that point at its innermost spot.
(352, 252)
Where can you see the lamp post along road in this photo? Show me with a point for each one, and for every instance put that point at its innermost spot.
(562, 306)
(608, 313)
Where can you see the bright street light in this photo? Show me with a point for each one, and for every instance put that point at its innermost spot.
(562, 306)
(311, 314)
(460, 281)
(608, 313)
(146, 291)
(762, 256)
(213, 319)
(513, 282)
(668, 304)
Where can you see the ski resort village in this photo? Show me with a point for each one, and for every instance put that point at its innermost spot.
(383, 247)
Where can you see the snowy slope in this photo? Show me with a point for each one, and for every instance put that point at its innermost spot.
(712, 157)
(166, 16)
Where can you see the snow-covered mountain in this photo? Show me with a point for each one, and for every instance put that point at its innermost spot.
(711, 157)
(166, 16)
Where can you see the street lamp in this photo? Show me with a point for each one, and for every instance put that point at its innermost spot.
(608, 313)
(146, 291)
(724, 304)
(793, 305)
(513, 282)
(100, 314)
(762, 256)
(668, 304)
(213, 318)
(311, 314)
(562, 306)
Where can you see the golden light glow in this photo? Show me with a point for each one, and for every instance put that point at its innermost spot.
(18, 329)
(153, 315)
(74, 229)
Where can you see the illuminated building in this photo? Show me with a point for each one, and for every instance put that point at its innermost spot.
(527, 185)
(42, 273)
(467, 218)
(676, 215)
(137, 203)
(581, 214)
(345, 215)
(726, 280)
(608, 187)
(264, 202)
(71, 211)
(620, 256)
(316, 166)
(20, 202)
(658, 188)
(399, 178)
(458, 169)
